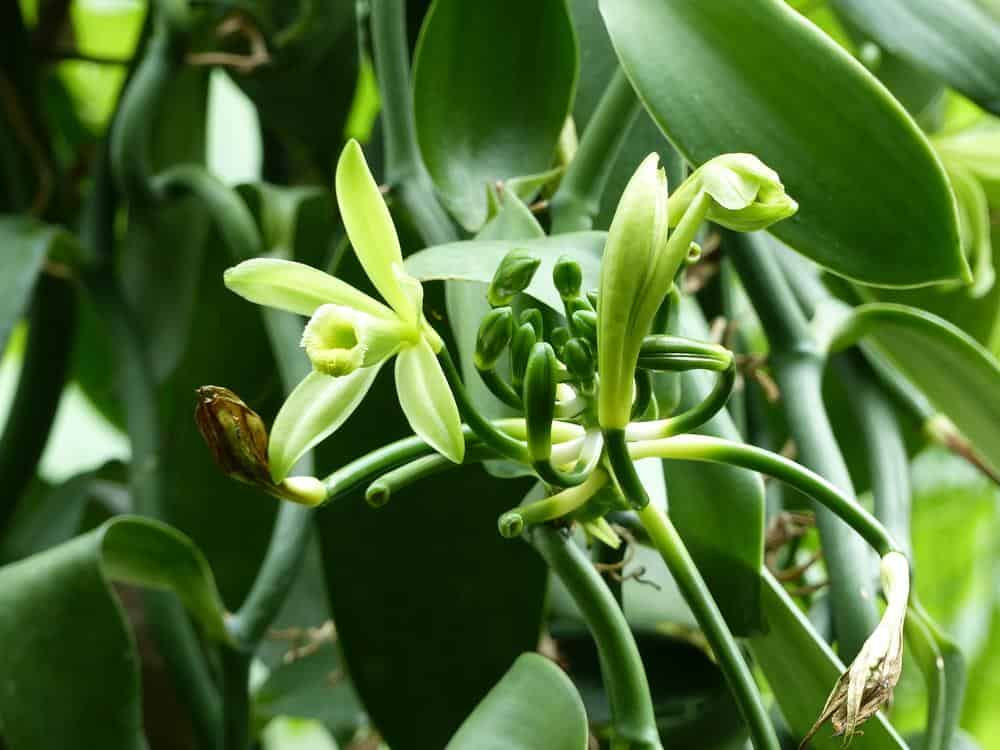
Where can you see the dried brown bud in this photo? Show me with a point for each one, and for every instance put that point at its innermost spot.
(237, 437)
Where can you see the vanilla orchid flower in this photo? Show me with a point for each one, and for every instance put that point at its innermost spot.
(350, 335)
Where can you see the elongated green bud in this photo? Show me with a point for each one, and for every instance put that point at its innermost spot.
(592, 298)
(567, 277)
(495, 333)
(585, 325)
(676, 353)
(533, 316)
(747, 195)
(520, 348)
(637, 271)
(512, 277)
(540, 400)
(560, 335)
(579, 358)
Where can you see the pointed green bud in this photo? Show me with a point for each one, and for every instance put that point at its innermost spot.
(495, 333)
(579, 358)
(592, 298)
(533, 316)
(560, 335)
(521, 346)
(238, 440)
(747, 195)
(637, 271)
(339, 339)
(677, 353)
(540, 400)
(567, 277)
(512, 277)
(585, 324)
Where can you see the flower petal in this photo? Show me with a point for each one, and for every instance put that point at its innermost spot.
(427, 400)
(370, 228)
(297, 287)
(313, 411)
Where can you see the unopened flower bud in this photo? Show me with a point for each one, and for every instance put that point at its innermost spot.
(578, 355)
(585, 324)
(747, 195)
(512, 277)
(533, 316)
(237, 438)
(559, 336)
(495, 333)
(520, 348)
(567, 276)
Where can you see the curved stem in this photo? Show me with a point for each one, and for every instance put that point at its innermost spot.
(387, 485)
(668, 542)
(694, 417)
(632, 716)
(623, 470)
(718, 450)
(47, 356)
(578, 199)
(943, 667)
(798, 369)
(500, 388)
(555, 506)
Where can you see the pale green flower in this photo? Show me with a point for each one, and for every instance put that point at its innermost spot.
(351, 335)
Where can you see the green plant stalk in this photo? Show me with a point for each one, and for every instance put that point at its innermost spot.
(382, 489)
(174, 633)
(632, 716)
(825, 493)
(47, 356)
(798, 368)
(578, 199)
(670, 546)
(943, 667)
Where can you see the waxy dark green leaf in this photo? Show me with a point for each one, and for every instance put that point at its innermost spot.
(874, 204)
(802, 670)
(534, 707)
(493, 84)
(956, 40)
(958, 376)
(74, 652)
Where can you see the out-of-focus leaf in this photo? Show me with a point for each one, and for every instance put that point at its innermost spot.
(977, 149)
(288, 733)
(959, 376)
(477, 260)
(980, 716)
(718, 509)
(45, 517)
(954, 39)
(72, 680)
(493, 84)
(802, 670)
(25, 243)
(533, 707)
(874, 204)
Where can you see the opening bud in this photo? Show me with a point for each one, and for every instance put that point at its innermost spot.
(567, 277)
(495, 333)
(747, 195)
(339, 339)
(237, 438)
(512, 277)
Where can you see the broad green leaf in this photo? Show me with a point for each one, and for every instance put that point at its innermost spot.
(477, 260)
(874, 203)
(534, 707)
(956, 40)
(802, 670)
(75, 671)
(959, 376)
(432, 606)
(493, 84)
(25, 243)
(718, 509)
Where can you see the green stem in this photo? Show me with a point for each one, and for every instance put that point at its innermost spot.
(483, 428)
(382, 489)
(798, 369)
(500, 388)
(40, 384)
(943, 666)
(623, 469)
(719, 450)
(632, 716)
(555, 506)
(668, 542)
(692, 418)
(578, 199)
(235, 679)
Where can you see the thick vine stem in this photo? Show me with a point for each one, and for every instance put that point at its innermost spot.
(719, 450)
(578, 199)
(52, 328)
(798, 368)
(670, 546)
(632, 716)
